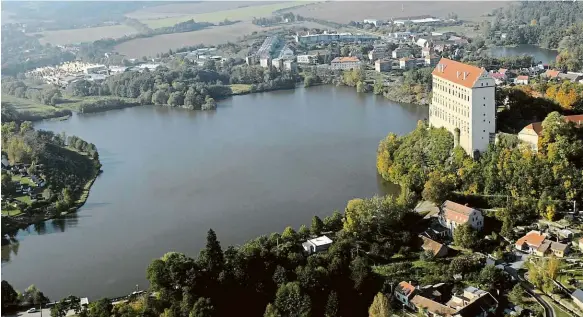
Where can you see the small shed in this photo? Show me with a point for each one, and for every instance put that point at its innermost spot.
(317, 244)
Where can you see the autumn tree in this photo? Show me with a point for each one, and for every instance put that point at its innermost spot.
(380, 306)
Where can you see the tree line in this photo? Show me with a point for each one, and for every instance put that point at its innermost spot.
(537, 184)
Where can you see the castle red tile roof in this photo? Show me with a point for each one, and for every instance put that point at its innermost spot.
(534, 239)
(345, 59)
(406, 288)
(456, 72)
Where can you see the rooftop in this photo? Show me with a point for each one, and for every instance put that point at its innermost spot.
(537, 127)
(432, 306)
(456, 212)
(345, 59)
(533, 238)
(522, 77)
(323, 240)
(431, 245)
(406, 288)
(553, 73)
(456, 72)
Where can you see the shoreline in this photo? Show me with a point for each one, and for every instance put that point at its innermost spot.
(20, 222)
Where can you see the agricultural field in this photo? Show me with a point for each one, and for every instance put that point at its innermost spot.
(74, 36)
(242, 13)
(178, 9)
(162, 43)
(344, 12)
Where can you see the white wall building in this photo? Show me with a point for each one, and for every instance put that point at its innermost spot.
(317, 244)
(307, 59)
(463, 100)
(453, 215)
(374, 22)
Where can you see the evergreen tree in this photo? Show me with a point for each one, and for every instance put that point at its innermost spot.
(317, 226)
(379, 307)
(212, 256)
(290, 301)
(202, 308)
(331, 305)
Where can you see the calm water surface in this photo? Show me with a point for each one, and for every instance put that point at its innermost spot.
(539, 54)
(257, 164)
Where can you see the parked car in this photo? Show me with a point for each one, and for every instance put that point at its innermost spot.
(32, 310)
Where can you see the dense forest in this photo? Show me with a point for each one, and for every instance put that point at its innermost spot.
(550, 24)
(541, 183)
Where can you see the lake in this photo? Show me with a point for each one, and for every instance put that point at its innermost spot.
(539, 54)
(257, 164)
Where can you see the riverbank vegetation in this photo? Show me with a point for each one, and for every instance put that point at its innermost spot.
(555, 25)
(47, 175)
(535, 184)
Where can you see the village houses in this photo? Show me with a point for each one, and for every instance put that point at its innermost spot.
(537, 243)
(532, 132)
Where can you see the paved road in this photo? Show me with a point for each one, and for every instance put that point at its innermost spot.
(549, 310)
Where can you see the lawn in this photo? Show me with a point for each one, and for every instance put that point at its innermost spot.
(243, 14)
(75, 36)
(11, 212)
(240, 88)
(22, 104)
(23, 180)
(25, 199)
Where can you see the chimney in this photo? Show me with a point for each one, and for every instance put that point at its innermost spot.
(458, 74)
(465, 75)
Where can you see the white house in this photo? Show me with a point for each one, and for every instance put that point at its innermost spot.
(404, 292)
(452, 215)
(317, 244)
(307, 59)
(531, 133)
(401, 52)
(463, 103)
(521, 80)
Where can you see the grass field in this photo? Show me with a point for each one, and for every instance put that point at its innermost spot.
(559, 312)
(162, 43)
(190, 8)
(85, 35)
(240, 88)
(242, 14)
(343, 12)
(11, 212)
(32, 106)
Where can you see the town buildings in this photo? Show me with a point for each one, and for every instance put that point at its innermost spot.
(345, 63)
(521, 80)
(376, 53)
(428, 301)
(317, 244)
(307, 59)
(537, 243)
(532, 132)
(401, 52)
(334, 37)
(383, 65)
(463, 103)
(452, 215)
(374, 22)
(407, 63)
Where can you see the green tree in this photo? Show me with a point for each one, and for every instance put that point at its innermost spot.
(271, 311)
(34, 296)
(317, 226)
(438, 187)
(100, 308)
(202, 308)
(517, 295)
(465, 236)
(289, 234)
(280, 275)
(291, 302)
(9, 295)
(331, 309)
(333, 222)
(380, 306)
(212, 256)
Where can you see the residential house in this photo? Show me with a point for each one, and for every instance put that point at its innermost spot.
(251, 60)
(537, 243)
(532, 132)
(345, 63)
(521, 80)
(426, 51)
(401, 52)
(383, 65)
(499, 79)
(317, 244)
(551, 74)
(407, 63)
(570, 76)
(437, 249)
(422, 42)
(431, 308)
(277, 63)
(453, 215)
(375, 54)
(404, 292)
(265, 62)
(431, 60)
(531, 241)
(374, 22)
(473, 303)
(307, 59)
(577, 297)
(290, 65)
